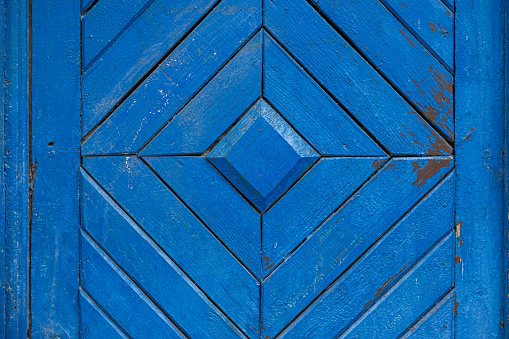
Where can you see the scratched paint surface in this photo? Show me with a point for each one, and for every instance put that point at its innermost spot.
(263, 169)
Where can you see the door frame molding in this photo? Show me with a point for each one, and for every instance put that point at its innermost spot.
(481, 260)
(40, 159)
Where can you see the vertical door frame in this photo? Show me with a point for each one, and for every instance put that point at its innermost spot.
(481, 212)
(40, 123)
(14, 152)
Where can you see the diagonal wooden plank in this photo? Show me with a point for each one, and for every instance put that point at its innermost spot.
(413, 71)
(437, 323)
(86, 5)
(104, 23)
(382, 266)
(134, 54)
(411, 297)
(431, 22)
(155, 273)
(215, 108)
(309, 109)
(358, 224)
(450, 4)
(201, 187)
(366, 95)
(181, 235)
(309, 203)
(94, 323)
(200, 56)
(120, 297)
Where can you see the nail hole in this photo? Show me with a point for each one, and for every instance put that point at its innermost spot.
(51, 144)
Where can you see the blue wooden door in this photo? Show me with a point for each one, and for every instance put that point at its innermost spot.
(256, 169)
(267, 170)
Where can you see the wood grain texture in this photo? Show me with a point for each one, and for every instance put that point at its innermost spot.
(357, 225)
(15, 144)
(130, 58)
(217, 204)
(95, 323)
(102, 25)
(412, 296)
(431, 22)
(480, 212)
(413, 70)
(55, 150)
(181, 235)
(205, 118)
(147, 264)
(315, 197)
(382, 266)
(103, 280)
(437, 323)
(187, 69)
(309, 109)
(364, 93)
(3, 266)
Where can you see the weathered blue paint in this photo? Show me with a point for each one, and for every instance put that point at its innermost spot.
(2, 175)
(361, 286)
(55, 151)
(104, 23)
(16, 221)
(203, 120)
(327, 56)
(358, 241)
(480, 211)
(314, 265)
(376, 33)
(506, 202)
(431, 22)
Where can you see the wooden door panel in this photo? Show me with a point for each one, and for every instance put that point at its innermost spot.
(254, 169)
(263, 174)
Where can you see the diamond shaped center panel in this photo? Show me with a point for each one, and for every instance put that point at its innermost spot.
(262, 156)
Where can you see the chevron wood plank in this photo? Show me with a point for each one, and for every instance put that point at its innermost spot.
(363, 284)
(413, 69)
(85, 4)
(431, 22)
(134, 54)
(411, 297)
(180, 234)
(309, 109)
(238, 85)
(437, 323)
(120, 297)
(216, 202)
(94, 323)
(358, 224)
(104, 22)
(150, 267)
(365, 94)
(450, 4)
(159, 98)
(316, 196)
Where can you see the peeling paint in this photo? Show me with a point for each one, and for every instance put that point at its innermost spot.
(433, 167)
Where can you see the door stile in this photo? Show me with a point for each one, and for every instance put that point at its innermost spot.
(480, 210)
